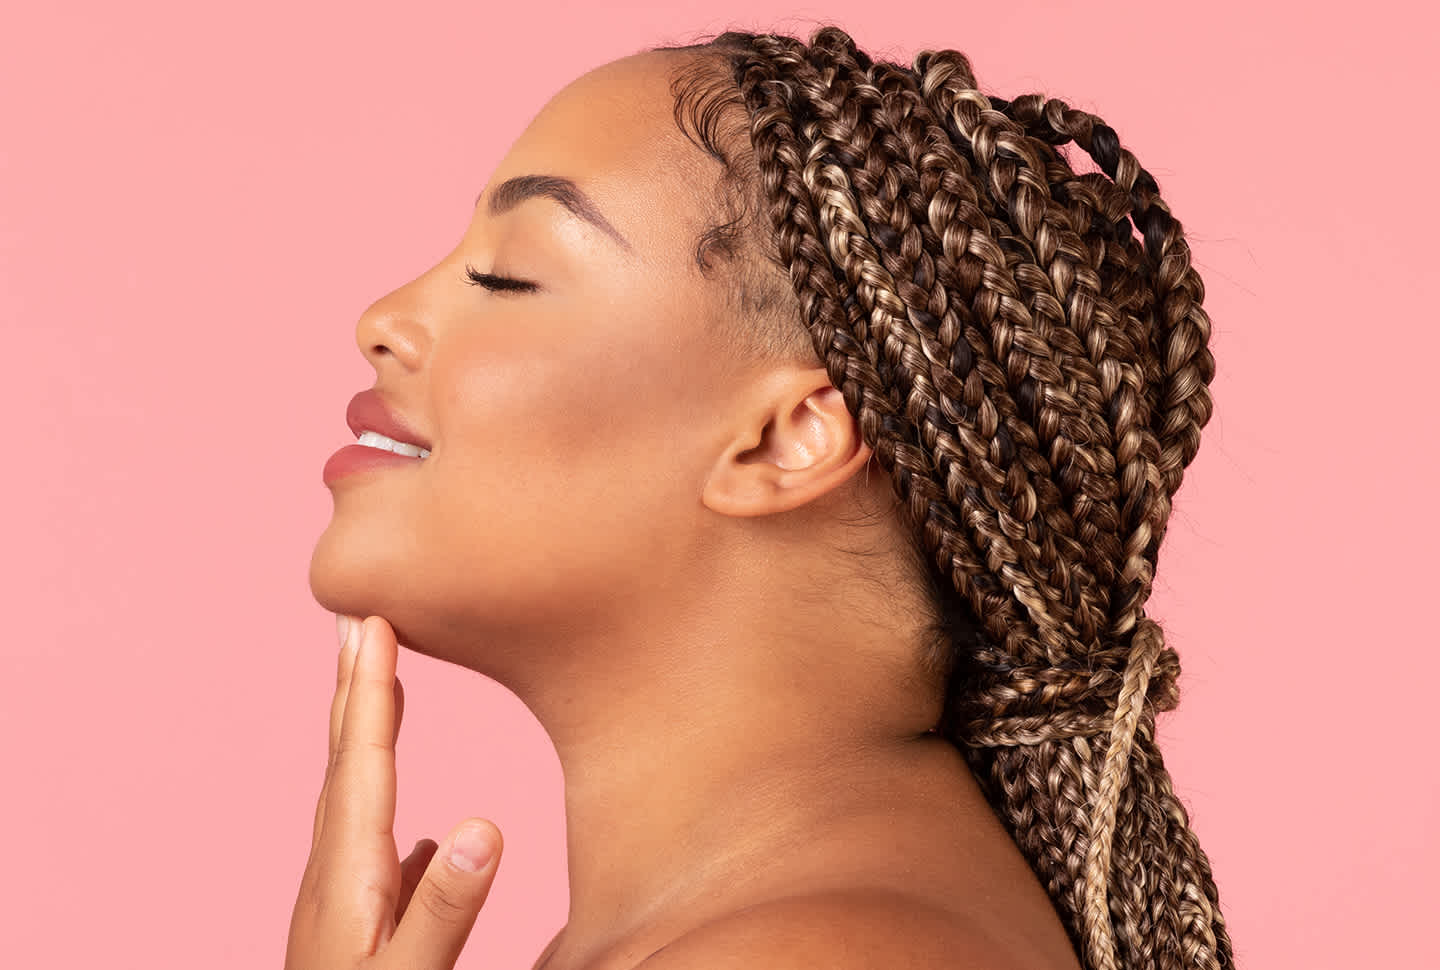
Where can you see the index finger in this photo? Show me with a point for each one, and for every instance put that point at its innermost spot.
(360, 803)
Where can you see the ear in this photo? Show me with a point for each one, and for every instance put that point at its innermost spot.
(799, 442)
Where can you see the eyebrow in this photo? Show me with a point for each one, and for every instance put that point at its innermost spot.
(511, 192)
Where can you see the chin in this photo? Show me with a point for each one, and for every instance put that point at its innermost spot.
(374, 569)
(348, 575)
(359, 575)
(329, 583)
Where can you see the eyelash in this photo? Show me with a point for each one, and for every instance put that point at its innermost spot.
(497, 283)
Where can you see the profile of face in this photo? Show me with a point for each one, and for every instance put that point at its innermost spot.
(592, 447)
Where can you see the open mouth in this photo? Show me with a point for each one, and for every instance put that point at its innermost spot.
(374, 439)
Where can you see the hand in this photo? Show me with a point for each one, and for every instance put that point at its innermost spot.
(359, 905)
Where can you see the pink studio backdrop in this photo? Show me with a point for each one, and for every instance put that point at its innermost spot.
(196, 204)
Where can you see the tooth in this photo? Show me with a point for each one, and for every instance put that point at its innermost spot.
(374, 439)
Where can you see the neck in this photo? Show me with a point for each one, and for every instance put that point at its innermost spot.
(684, 781)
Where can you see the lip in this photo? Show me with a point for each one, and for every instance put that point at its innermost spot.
(361, 458)
(367, 412)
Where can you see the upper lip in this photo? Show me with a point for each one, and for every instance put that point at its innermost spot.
(367, 412)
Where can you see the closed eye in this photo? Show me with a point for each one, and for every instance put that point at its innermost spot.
(498, 283)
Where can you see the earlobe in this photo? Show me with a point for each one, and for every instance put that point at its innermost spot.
(808, 445)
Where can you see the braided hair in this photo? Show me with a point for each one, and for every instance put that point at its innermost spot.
(1024, 349)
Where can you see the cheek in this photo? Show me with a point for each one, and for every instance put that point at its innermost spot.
(517, 406)
(540, 445)
(564, 380)
(552, 469)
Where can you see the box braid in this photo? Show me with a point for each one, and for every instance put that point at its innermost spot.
(1024, 349)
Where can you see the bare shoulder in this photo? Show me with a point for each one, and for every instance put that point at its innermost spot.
(841, 930)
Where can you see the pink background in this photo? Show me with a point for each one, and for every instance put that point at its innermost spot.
(195, 206)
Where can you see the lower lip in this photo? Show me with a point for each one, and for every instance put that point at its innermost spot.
(353, 459)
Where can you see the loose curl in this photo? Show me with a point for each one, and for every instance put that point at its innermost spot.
(1024, 349)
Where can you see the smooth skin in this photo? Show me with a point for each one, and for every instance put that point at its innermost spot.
(684, 561)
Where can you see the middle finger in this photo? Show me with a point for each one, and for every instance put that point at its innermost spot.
(345, 666)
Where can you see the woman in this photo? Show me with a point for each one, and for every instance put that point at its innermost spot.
(801, 461)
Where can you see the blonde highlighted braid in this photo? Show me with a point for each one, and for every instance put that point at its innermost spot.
(1024, 348)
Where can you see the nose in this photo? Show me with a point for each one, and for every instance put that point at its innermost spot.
(391, 332)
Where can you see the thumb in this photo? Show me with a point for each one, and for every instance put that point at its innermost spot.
(448, 898)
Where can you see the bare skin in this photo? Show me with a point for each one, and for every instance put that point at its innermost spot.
(640, 536)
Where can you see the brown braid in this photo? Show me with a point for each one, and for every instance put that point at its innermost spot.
(1024, 349)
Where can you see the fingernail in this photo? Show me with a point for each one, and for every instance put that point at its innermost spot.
(342, 627)
(472, 849)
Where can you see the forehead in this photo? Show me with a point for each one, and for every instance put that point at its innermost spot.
(613, 131)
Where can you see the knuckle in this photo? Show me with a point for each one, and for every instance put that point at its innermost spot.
(350, 748)
(318, 901)
(442, 903)
(369, 891)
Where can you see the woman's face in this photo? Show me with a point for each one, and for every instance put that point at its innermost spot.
(571, 428)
